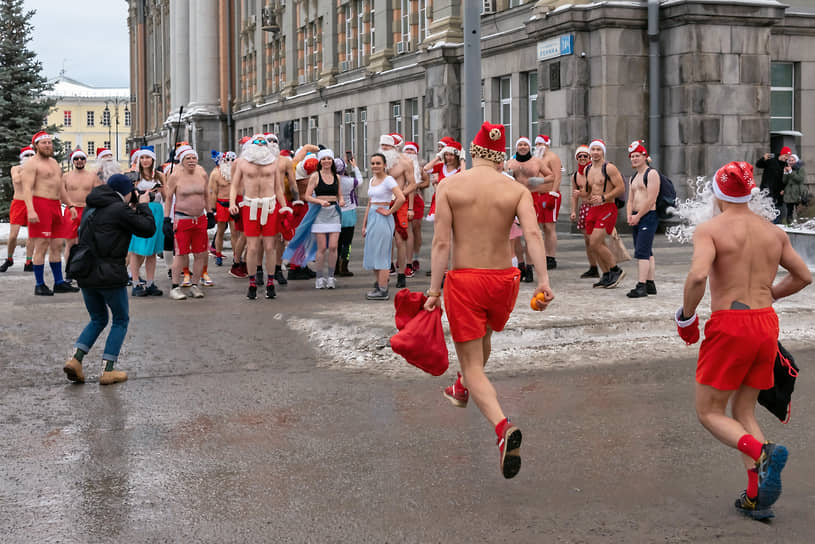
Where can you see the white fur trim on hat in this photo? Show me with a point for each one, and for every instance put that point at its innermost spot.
(325, 153)
(581, 149)
(183, 151)
(598, 143)
(412, 147)
(542, 139)
(734, 199)
(78, 153)
(105, 153)
(27, 153)
(387, 139)
(523, 139)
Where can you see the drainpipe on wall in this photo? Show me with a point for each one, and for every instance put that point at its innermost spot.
(654, 113)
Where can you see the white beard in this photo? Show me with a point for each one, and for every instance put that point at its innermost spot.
(225, 168)
(704, 206)
(25, 160)
(539, 152)
(259, 154)
(391, 157)
(108, 167)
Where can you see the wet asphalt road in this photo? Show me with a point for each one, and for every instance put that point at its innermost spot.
(231, 430)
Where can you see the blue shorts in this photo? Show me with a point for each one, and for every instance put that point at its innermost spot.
(644, 235)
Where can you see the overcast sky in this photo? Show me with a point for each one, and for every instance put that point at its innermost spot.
(88, 38)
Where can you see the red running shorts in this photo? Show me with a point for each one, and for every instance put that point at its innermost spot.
(191, 235)
(547, 207)
(603, 216)
(222, 211)
(18, 214)
(739, 349)
(418, 207)
(70, 227)
(50, 214)
(254, 228)
(477, 297)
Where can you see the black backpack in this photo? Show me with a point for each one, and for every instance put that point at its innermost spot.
(619, 202)
(667, 194)
(778, 398)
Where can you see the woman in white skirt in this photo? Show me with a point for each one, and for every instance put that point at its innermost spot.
(384, 197)
(324, 190)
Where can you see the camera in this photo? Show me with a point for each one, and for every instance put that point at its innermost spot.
(771, 155)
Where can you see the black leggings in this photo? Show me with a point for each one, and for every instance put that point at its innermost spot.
(344, 246)
(790, 211)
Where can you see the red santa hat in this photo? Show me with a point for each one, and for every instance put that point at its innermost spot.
(285, 153)
(453, 147)
(102, 152)
(387, 139)
(734, 182)
(785, 151)
(397, 138)
(523, 139)
(323, 153)
(134, 156)
(271, 137)
(413, 146)
(27, 151)
(183, 151)
(637, 146)
(581, 149)
(543, 139)
(489, 143)
(78, 153)
(597, 142)
(41, 135)
(444, 141)
(244, 140)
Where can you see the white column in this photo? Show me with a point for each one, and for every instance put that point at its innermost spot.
(192, 58)
(204, 59)
(179, 55)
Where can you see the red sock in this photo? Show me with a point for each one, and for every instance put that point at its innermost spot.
(270, 280)
(252, 281)
(748, 445)
(752, 483)
(501, 427)
(187, 270)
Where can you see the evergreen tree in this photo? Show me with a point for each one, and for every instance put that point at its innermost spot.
(23, 106)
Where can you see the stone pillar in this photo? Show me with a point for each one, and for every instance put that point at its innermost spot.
(179, 55)
(192, 58)
(289, 29)
(260, 53)
(379, 61)
(330, 40)
(204, 69)
(447, 25)
(442, 101)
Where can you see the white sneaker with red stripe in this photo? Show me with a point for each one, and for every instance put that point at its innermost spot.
(457, 393)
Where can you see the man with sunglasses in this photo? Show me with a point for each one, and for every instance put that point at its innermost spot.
(78, 184)
(220, 181)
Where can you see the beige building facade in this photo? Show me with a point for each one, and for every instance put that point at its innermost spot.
(735, 79)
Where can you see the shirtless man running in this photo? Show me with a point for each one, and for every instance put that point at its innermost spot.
(257, 177)
(738, 252)
(551, 198)
(478, 207)
(78, 184)
(400, 168)
(604, 183)
(17, 213)
(530, 172)
(189, 186)
(43, 191)
(220, 180)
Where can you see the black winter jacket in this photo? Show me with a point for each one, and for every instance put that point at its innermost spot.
(772, 177)
(109, 230)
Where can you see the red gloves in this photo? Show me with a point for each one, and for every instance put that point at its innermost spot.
(285, 223)
(688, 329)
(300, 210)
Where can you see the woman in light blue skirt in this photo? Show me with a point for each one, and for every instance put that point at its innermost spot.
(144, 250)
(384, 198)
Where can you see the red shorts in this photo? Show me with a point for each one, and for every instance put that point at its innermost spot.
(603, 216)
(17, 214)
(222, 211)
(581, 216)
(401, 221)
(739, 349)
(254, 228)
(477, 297)
(547, 207)
(191, 235)
(70, 227)
(50, 214)
(239, 219)
(418, 207)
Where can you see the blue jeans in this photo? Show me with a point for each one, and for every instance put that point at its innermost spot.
(97, 302)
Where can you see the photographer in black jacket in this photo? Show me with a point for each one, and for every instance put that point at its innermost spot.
(772, 178)
(113, 214)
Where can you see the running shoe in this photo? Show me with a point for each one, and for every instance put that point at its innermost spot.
(769, 466)
(457, 393)
(153, 291)
(6, 264)
(298, 273)
(280, 278)
(393, 270)
(377, 294)
(270, 292)
(187, 281)
(409, 271)
(753, 508)
(330, 283)
(196, 291)
(236, 271)
(551, 263)
(614, 278)
(42, 290)
(28, 267)
(252, 293)
(400, 281)
(650, 287)
(510, 445)
(213, 251)
(638, 291)
(320, 283)
(139, 291)
(219, 261)
(590, 273)
(177, 294)
(415, 265)
(206, 280)
(65, 287)
(603, 281)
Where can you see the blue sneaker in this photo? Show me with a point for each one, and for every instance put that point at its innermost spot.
(769, 466)
(219, 261)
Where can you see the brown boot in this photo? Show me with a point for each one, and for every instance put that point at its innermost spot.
(344, 269)
(73, 370)
(112, 376)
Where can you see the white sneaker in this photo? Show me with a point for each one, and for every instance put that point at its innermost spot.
(330, 282)
(320, 283)
(177, 294)
(206, 280)
(196, 292)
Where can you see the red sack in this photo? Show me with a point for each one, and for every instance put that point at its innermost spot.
(407, 305)
(300, 211)
(285, 224)
(421, 340)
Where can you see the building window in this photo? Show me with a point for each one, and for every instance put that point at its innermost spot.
(106, 144)
(127, 117)
(349, 36)
(412, 132)
(90, 119)
(295, 131)
(505, 96)
(349, 131)
(66, 118)
(313, 125)
(360, 33)
(532, 89)
(424, 24)
(373, 29)
(106, 118)
(404, 12)
(396, 117)
(782, 96)
(363, 122)
(91, 148)
(515, 3)
(67, 145)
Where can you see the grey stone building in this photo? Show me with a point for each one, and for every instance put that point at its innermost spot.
(735, 78)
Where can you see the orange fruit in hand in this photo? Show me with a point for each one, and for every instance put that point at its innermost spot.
(538, 302)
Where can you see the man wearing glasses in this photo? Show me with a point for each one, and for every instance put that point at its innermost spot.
(78, 184)
(220, 180)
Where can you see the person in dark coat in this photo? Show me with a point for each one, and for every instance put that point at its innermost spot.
(772, 176)
(114, 217)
